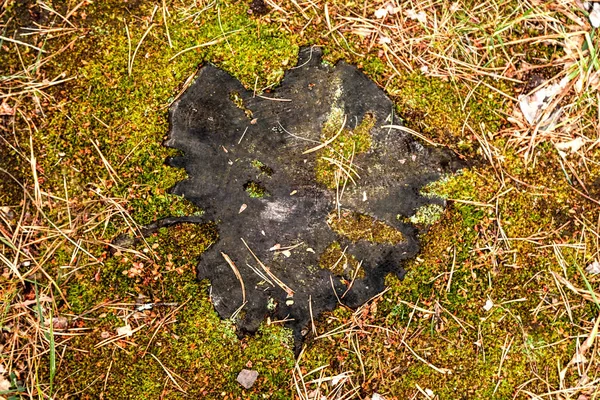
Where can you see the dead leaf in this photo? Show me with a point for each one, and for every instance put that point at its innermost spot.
(571, 146)
(416, 16)
(5, 109)
(595, 15)
(4, 384)
(60, 323)
(533, 105)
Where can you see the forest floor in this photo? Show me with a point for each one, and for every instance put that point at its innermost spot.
(502, 302)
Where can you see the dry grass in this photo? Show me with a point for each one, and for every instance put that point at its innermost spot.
(35, 335)
(34, 332)
(484, 44)
(578, 379)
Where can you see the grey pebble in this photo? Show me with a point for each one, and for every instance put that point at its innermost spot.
(247, 377)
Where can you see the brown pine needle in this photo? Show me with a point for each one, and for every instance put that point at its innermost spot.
(282, 285)
(236, 271)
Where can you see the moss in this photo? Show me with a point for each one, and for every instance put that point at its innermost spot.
(198, 346)
(341, 264)
(264, 169)
(239, 103)
(458, 244)
(255, 189)
(123, 112)
(356, 226)
(334, 163)
(442, 341)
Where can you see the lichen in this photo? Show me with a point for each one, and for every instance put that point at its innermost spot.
(427, 214)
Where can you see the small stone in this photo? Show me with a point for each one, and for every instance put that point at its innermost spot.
(247, 377)
(595, 15)
(60, 323)
(125, 330)
(4, 384)
(593, 268)
(488, 305)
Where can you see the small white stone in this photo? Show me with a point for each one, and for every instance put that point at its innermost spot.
(488, 305)
(124, 330)
(595, 15)
(593, 268)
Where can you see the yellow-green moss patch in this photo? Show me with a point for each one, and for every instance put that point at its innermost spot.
(356, 226)
(337, 157)
(335, 259)
(262, 168)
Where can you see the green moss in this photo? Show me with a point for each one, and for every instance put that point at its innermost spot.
(356, 226)
(341, 264)
(198, 346)
(442, 341)
(264, 169)
(126, 112)
(334, 164)
(502, 250)
(256, 190)
(239, 103)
